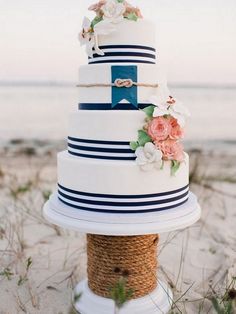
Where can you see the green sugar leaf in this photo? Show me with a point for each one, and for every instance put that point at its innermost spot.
(95, 21)
(143, 138)
(120, 1)
(134, 145)
(132, 17)
(149, 111)
(175, 167)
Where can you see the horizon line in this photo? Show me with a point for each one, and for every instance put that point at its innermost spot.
(48, 83)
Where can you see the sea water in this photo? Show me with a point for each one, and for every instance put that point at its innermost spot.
(41, 112)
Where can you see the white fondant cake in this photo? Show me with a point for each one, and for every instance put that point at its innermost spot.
(109, 125)
(124, 152)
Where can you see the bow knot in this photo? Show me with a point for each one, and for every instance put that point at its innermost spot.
(124, 83)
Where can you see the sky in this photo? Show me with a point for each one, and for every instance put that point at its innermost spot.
(196, 40)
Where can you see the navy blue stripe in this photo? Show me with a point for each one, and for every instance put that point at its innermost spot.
(97, 142)
(122, 61)
(123, 196)
(101, 157)
(102, 150)
(123, 211)
(127, 47)
(89, 106)
(123, 204)
(125, 54)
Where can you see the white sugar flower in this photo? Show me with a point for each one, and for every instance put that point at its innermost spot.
(113, 11)
(161, 108)
(170, 107)
(179, 112)
(89, 39)
(149, 157)
(86, 37)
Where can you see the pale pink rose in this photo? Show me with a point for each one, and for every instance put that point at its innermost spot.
(97, 6)
(131, 9)
(176, 131)
(171, 149)
(159, 129)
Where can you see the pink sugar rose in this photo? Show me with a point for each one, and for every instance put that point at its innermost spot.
(171, 149)
(130, 9)
(97, 6)
(176, 131)
(159, 129)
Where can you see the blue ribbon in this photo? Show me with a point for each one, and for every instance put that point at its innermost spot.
(120, 93)
(102, 106)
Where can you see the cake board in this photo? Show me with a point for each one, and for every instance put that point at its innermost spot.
(122, 225)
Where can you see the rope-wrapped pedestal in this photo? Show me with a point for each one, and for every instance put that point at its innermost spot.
(133, 257)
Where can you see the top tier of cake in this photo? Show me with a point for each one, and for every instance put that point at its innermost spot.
(132, 42)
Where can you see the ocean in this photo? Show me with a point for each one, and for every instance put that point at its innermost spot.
(41, 112)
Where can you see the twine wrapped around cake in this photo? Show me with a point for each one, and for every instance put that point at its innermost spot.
(133, 257)
(127, 83)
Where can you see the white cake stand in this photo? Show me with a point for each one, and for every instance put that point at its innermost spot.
(160, 300)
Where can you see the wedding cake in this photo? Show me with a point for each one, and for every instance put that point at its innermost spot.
(124, 144)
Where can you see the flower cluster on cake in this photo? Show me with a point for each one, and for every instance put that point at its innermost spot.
(159, 140)
(108, 14)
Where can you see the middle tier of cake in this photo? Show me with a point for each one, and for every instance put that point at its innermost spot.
(104, 134)
(98, 89)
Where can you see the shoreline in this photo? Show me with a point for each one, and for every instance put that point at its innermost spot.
(34, 147)
(180, 85)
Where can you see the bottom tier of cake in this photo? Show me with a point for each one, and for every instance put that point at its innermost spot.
(120, 186)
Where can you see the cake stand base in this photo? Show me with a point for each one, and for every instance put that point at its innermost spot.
(157, 302)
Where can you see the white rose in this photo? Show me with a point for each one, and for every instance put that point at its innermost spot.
(113, 11)
(149, 157)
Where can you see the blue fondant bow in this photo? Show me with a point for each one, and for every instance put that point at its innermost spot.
(119, 93)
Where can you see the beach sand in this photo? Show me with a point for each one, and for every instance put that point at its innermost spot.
(40, 264)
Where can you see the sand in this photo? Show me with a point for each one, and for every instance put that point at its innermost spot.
(40, 263)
